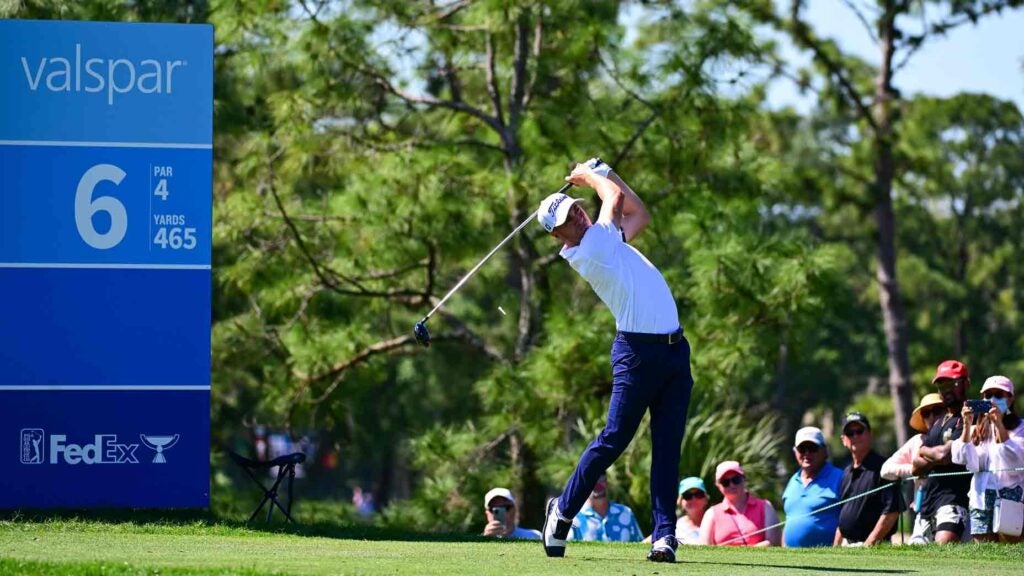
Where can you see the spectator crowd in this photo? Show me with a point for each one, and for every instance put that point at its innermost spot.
(965, 464)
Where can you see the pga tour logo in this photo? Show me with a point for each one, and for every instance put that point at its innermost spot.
(104, 448)
(31, 447)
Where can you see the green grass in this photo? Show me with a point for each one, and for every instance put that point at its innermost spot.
(126, 543)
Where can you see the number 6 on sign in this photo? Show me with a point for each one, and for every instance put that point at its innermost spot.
(86, 207)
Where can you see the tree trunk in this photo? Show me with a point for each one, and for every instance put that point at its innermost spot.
(894, 320)
(779, 399)
(893, 316)
(960, 276)
(522, 253)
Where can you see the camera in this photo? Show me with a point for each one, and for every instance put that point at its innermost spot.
(499, 513)
(979, 406)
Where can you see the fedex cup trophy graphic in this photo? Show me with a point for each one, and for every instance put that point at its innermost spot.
(159, 444)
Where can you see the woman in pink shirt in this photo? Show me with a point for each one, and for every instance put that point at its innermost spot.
(740, 518)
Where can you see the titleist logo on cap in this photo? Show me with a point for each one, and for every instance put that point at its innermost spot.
(552, 209)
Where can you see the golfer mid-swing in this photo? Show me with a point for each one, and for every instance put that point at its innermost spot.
(650, 357)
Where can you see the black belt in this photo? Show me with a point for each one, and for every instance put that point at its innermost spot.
(672, 338)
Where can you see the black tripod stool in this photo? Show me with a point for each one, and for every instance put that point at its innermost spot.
(286, 467)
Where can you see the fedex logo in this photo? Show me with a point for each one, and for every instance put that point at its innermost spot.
(105, 449)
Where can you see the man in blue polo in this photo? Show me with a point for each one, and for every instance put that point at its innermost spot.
(601, 520)
(814, 486)
(650, 357)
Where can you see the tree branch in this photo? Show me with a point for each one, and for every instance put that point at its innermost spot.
(397, 345)
(624, 151)
(277, 346)
(450, 10)
(801, 33)
(427, 142)
(327, 275)
(304, 301)
(779, 69)
(312, 217)
(337, 372)
(538, 35)
(383, 274)
(451, 73)
(545, 261)
(462, 332)
(613, 72)
(458, 106)
(517, 98)
(863, 20)
(967, 15)
(492, 79)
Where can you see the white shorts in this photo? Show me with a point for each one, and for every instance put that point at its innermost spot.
(950, 518)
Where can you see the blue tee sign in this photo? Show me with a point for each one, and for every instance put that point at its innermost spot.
(106, 160)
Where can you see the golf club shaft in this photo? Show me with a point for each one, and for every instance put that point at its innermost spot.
(489, 254)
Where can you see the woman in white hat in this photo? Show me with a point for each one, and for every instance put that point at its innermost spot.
(900, 464)
(992, 448)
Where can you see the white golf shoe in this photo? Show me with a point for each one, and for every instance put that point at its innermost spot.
(663, 550)
(555, 532)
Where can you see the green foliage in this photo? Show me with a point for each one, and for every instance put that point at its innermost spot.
(961, 213)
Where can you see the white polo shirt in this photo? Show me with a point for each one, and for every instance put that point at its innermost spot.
(632, 288)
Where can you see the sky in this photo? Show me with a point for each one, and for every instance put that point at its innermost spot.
(987, 57)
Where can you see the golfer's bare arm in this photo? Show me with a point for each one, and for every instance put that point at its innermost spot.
(617, 198)
(634, 214)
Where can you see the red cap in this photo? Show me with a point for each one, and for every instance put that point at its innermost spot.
(951, 369)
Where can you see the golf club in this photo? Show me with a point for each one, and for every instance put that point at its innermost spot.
(420, 329)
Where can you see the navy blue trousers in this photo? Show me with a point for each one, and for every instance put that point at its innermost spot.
(651, 376)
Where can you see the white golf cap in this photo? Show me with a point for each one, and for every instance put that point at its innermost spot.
(498, 492)
(555, 209)
(809, 434)
(998, 383)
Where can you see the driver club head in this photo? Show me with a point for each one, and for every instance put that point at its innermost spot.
(421, 333)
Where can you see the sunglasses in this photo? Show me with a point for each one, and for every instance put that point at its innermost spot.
(988, 395)
(946, 385)
(694, 494)
(737, 480)
(929, 412)
(853, 432)
(807, 448)
(505, 507)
